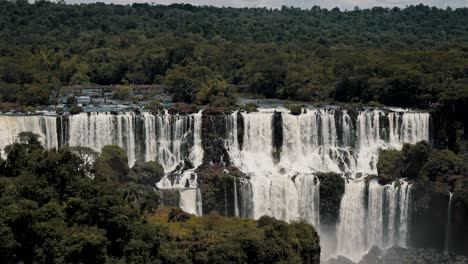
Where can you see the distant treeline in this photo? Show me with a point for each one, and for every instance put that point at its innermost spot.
(404, 57)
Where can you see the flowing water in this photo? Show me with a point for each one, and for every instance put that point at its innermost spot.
(447, 227)
(321, 140)
(280, 152)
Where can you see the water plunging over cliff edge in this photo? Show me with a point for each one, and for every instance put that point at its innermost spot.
(280, 152)
(171, 140)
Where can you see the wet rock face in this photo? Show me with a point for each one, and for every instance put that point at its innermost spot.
(277, 135)
(169, 197)
(340, 260)
(458, 239)
(214, 133)
(428, 219)
(332, 188)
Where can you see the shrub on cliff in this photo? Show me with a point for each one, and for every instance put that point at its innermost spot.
(390, 164)
(74, 110)
(217, 187)
(415, 158)
(250, 107)
(443, 163)
(332, 188)
(294, 109)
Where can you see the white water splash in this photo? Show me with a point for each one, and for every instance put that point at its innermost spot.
(380, 220)
(286, 188)
(44, 126)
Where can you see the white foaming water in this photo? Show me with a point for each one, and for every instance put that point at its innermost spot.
(173, 139)
(277, 189)
(167, 138)
(96, 130)
(312, 142)
(44, 126)
(381, 220)
(318, 140)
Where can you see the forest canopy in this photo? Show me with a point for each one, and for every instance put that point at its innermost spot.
(52, 211)
(415, 56)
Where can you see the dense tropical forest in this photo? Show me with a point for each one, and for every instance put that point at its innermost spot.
(52, 211)
(402, 174)
(415, 56)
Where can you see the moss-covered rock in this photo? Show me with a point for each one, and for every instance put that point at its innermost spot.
(277, 135)
(415, 158)
(332, 188)
(294, 109)
(219, 187)
(390, 164)
(443, 164)
(428, 210)
(214, 133)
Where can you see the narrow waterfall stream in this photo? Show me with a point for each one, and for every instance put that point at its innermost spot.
(447, 226)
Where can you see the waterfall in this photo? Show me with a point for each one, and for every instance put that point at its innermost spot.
(172, 136)
(236, 201)
(278, 189)
(167, 139)
(318, 141)
(44, 126)
(280, 153)
(372, 215)
(96, 130)
(447, 226)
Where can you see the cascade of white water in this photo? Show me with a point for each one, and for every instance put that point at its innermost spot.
(171, 138)
(279, 189)
(352, 226)
(196, 153)
(404, 198)
(168, 139)
(245, 198)
(165, 138)
(44, 126)
(236, 201)
(96, 130)
(375, 215)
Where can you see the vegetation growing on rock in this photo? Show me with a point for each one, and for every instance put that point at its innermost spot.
(390, 164)
(218, 186)
(332, 188)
